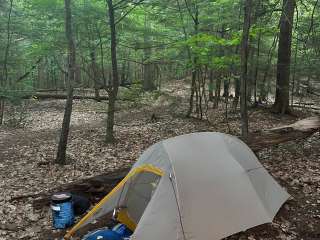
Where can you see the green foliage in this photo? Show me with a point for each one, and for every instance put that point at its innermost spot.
(163, 27)
(207, 50)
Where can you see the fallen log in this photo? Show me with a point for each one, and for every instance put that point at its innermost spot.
(96, 187)
(43, 96)
(308, 107)
(93, 188)
(296, 131)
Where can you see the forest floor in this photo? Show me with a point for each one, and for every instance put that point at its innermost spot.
(27, 154)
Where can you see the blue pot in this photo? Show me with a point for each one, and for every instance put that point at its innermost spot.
(62, 210)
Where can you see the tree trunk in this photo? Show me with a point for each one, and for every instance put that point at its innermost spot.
(192, 91)
(194, 69)
(4, 78)
(211, 86)
(295, 62)
(148, 79)
(220, 74)
(250, 83)
(7, 48)
(281, 104)
(236, 94)
(217, 91)
(1, 110)
(62, 147)
(256, 71)
(193, 80)
(244, 68)
(115, 78)
(95, 76)
(263, 86)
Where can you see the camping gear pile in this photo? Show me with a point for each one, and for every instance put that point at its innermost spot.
(209, 177)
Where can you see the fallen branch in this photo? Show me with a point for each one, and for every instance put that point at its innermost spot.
(29, 72)
(43, 96)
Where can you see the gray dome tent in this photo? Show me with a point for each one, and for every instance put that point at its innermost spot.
(200, 186)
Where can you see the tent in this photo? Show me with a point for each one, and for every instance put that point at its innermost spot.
(199, 186)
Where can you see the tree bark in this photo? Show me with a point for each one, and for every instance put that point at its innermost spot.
(148, 79)
(236, 94)
(95, 76)
(244, 68)
(250, 82)
(195, 69)
(62, 147)
(1, 110)
(220, 74)
(281, 104)
(193, 80)
(115, 78)
(217, 91)
(211, 86)
(263, 86)
(256, 71)
(4, 77)
(7, 49)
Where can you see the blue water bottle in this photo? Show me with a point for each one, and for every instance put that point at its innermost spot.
(62, 210)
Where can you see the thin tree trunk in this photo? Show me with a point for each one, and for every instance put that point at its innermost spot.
(115, 78)
(193, 77)
(236, 94)
(1, 110)
(237, 79)
(295, 62)
(62, 147)
(250, 83)
(244, 68)
(219, 77)
(95, 75)
(217, 91)
(256, 71)
(211, 86)
(263, 90)
(194, 60)
(7, 49)
(102, 59)
(148, 79)
(4, 80)
(281, 104)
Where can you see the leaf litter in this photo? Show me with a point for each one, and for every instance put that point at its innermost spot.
(27, 154)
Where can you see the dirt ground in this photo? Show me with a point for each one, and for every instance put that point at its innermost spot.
(27, 154)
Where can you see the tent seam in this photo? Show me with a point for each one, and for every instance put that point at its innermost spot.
(175, 191)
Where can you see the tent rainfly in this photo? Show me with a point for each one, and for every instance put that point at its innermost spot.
(199, 186)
